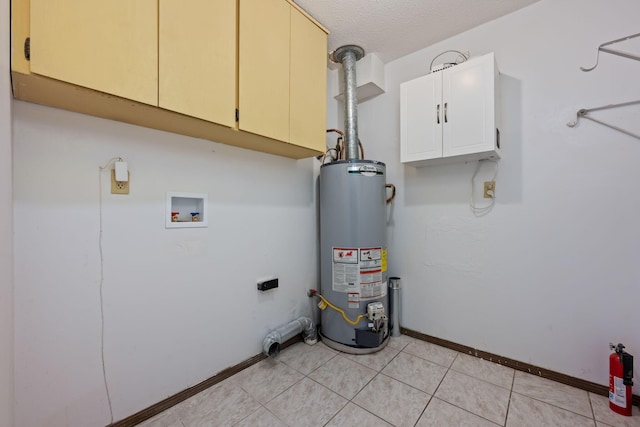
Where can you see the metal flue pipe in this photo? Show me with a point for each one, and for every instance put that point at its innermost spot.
(348, 56)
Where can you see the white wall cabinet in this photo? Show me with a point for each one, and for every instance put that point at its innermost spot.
(451, 115)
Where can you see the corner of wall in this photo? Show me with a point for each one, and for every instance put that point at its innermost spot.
(6, 228)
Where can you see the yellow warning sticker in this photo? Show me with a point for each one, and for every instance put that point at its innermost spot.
(384, 260)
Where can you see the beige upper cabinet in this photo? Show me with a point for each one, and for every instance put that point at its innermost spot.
(282, 73)
(181, 67)
(197, 59)
(263, 84)
(110, 46)
(308, 83)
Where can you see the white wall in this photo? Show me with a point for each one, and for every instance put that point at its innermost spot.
(6, 228)
(180, 305)
(551, 275)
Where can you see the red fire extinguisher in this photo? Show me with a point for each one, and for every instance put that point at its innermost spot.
(620, 380)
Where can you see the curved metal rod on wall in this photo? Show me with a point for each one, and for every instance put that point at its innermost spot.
(613, 52)
(583, 114)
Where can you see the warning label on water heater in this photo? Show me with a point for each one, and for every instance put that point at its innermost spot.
(358, 272)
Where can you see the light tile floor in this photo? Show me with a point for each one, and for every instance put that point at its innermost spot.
(409, 383)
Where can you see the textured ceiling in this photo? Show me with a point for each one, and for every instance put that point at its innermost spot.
(394, 28)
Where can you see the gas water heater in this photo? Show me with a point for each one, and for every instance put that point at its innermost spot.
(353, 243)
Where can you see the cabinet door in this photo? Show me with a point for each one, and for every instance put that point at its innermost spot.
(308, 83)
(197, 59)
(110, 46)
(263, 85)
(468, 95)
(421, 116)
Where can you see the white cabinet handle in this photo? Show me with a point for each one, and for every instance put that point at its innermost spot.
(445, 113)
(438, 114)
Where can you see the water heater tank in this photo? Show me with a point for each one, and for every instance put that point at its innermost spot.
(353, 257)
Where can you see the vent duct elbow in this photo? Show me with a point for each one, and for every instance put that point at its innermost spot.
(273, 340)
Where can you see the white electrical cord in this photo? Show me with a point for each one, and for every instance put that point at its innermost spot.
(104, 370)
(483, 210)
(457, 60)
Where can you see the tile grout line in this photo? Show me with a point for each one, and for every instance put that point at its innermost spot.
(557, 377)
(335, 354)
(430, 400)
(482, 379)
(470, 376)
(433, 396)
(556, 406)
(511, 392)
(406, 349)
(264, 405)
(398, 350)
(593, 411)
(379, 372)
(358, 392)
(513, 382)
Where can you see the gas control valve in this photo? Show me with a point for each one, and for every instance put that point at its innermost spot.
(375, 311)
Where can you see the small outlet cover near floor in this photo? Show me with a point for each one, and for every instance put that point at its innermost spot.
(119, 187)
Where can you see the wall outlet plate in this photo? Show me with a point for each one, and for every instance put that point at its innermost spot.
(267, 284)
(119, 187)
(489, 186)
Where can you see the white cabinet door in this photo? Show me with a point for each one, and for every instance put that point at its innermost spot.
(468, 96)
(421, 113)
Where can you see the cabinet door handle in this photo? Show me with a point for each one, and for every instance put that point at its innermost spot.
(445, 113)
(438, 114)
